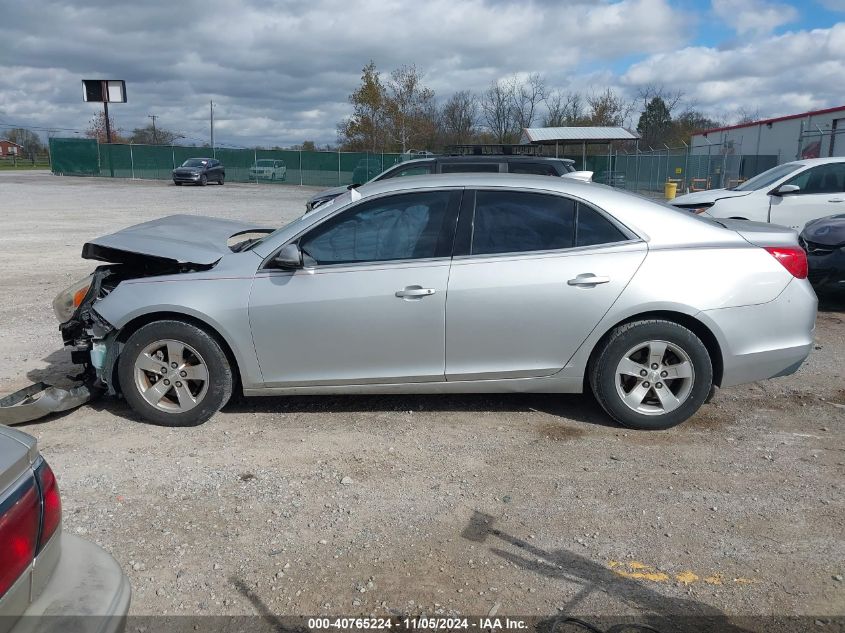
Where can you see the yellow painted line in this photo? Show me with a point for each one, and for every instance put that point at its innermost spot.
(637, 570)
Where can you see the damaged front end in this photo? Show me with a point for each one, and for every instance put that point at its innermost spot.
(172, 245)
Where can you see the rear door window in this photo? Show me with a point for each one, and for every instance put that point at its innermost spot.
(539, 169)
(594, 229)
(519, 222)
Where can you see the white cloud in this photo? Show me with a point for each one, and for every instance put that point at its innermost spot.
(754, 17)
(283, 67)
(778, 75)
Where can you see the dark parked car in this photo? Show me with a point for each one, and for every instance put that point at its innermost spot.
(45, 572)
(200, 171)
(489, 163)
(824, 241)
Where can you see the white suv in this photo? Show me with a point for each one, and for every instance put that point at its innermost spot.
(791, 194)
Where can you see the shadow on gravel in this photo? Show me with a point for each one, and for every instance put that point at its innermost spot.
(581, 408)
(660, 612)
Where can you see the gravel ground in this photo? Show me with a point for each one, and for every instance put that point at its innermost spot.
(516, 504)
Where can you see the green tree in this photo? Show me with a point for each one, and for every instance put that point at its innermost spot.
(655, 125)
(364, 130)
(308, 146)
(149, 135)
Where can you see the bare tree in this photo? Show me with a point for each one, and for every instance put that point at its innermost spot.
(497, 111)
(608, 108)
(526, 96)
(672, 98)
(409, 107)
(564, 109)
(747, 115)
(459, 117)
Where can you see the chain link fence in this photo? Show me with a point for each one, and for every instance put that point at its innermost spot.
(86, 157)
(651, 170)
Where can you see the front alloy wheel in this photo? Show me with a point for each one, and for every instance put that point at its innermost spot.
(173, 373)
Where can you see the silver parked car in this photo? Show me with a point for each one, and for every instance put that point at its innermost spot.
(439, 284)
(49, 580)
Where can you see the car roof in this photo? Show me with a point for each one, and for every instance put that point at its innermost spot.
(818, 161)
(498, 158)
(655, 222)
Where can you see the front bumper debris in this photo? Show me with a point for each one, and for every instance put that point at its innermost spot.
(40, 399)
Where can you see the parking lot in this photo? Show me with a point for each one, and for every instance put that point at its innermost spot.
(510, 504)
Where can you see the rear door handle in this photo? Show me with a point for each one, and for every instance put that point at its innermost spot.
(414, 292)
(588, 279)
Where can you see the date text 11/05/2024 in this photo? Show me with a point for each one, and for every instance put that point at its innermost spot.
(419, 624)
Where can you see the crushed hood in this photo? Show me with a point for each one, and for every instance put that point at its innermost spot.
(182, 239)
(828, 231)
(705, 197)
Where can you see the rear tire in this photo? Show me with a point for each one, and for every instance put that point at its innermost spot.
(221, 179)
(677, 380)
(185, 395)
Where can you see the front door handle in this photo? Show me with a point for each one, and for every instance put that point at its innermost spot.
(588, 280)
(414, 292)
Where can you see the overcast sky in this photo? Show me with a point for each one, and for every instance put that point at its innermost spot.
(280, 71)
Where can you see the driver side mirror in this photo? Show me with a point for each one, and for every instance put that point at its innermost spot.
(289, 257)
(784, 190)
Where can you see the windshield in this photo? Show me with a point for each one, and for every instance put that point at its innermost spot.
(194, 162)
(264, 163)
(335, 203)
(768, 177)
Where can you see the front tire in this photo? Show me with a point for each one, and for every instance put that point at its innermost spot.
(651, 374)
(203, 180)
(174, 374)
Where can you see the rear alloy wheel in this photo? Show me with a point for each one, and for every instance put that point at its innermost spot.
(174, 374)
(651, 374)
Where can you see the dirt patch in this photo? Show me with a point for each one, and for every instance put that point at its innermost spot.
(560, 432)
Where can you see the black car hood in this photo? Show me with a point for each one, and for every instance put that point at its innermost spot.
(828, 231)
(182, 239)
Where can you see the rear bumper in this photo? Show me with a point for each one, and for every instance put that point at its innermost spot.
(765, 340)
(827, 271)
(87, 593)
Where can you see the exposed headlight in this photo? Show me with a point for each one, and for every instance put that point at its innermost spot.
(69, 299)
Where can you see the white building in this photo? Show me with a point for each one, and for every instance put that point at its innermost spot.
(814, 134)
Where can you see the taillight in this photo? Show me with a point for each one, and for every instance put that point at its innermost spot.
(793, 258)
(52, 503)
(19, 518)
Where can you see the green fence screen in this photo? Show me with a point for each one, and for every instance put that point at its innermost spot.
(85, 157)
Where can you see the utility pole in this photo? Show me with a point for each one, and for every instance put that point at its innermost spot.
(155, 136)
(211, 119)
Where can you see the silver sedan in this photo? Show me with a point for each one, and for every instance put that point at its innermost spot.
(465, 283)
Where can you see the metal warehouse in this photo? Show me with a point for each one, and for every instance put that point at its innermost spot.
(814, 134)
